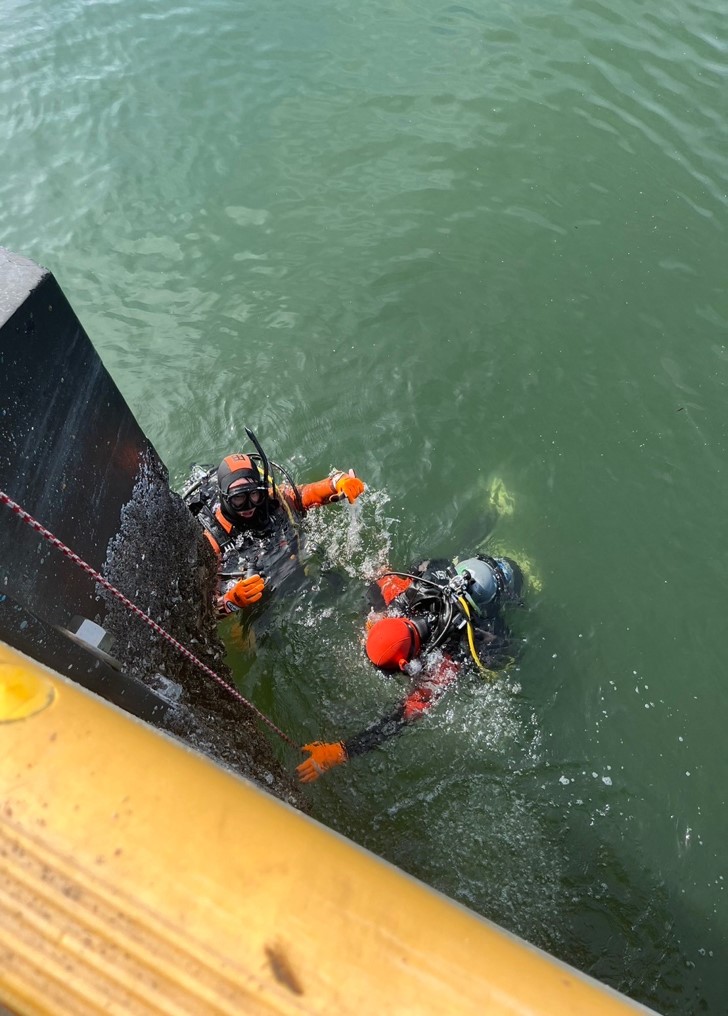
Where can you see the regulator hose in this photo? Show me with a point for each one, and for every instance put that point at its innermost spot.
(471, 641)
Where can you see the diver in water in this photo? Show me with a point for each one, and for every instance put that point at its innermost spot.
(428, 623)
(253, 523)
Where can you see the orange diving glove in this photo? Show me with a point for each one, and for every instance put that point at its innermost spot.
(243, 593)
(348, 485)
(323, 756)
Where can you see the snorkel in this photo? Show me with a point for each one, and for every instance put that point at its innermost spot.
(269, 474)
(266, 471)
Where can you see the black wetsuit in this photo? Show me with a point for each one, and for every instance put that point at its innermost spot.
(270, 547)
(270, 544)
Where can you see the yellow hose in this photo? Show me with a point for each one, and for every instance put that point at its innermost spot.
(471, 640)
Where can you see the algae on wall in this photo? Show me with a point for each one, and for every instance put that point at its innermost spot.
(160, 560)
(73, 456)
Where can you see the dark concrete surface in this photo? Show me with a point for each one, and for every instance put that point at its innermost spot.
(73, 456)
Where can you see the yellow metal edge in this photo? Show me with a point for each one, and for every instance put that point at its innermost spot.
(138, 877)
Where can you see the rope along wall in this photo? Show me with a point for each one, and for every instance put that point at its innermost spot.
(47, 535)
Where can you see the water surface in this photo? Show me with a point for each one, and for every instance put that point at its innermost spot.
(446, 244)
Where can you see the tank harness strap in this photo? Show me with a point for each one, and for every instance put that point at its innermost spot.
(289, 511)
(216, 528)
(211, 540)
(293, 519)
(225, 523)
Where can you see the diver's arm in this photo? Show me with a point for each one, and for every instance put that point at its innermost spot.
(313, 495)
(380, 730)
(333, 488)
(326, 755)
(416, 704)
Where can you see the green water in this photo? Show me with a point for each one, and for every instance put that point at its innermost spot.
(441, 243)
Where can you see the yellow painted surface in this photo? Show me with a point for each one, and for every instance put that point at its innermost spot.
(23, 692)
(138, 877)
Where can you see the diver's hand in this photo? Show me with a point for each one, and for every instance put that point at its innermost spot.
(348, 485)
(243, 594)
(323, 756)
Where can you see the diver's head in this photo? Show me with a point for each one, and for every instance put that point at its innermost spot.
(482, 588)
(488, 578)
(242, 493)
(392, 642)
(511, 575)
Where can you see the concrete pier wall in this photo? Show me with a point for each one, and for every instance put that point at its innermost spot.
(74, 457)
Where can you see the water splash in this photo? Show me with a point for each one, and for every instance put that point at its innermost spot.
(354, 538)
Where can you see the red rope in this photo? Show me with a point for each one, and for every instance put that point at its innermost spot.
(34, 524)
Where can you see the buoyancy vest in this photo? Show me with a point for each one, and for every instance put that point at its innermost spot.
(272, 551)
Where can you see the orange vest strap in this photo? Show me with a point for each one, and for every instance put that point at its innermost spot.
(225, 523)
(213, 542)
